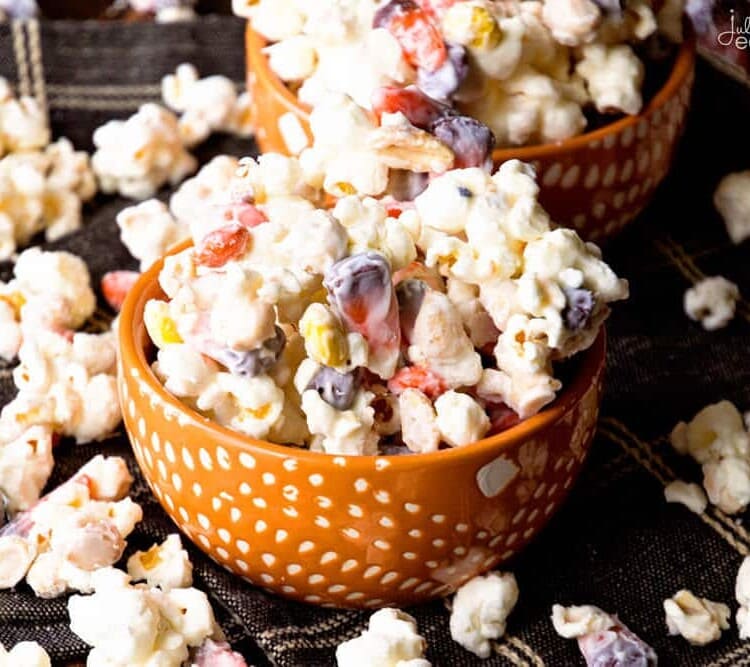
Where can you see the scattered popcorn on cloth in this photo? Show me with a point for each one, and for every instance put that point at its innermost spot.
(698, 620)
(602, 638)
(137, 156)
(414, 299)
(526, 71)
(152, 626)
(23, 123)
(742, 593)
(24, 654)
(691, 496)
(732, 201)
(391, 640)
(712, 302)
(76, 529)
(717, 438)
(207, 105)
(480, 611)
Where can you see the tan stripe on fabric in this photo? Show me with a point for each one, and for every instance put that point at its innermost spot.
(82, 104)
(110, 90)
(651, 462)
(524, 648)
(737, 658)
(319, 628)
(37, 63)
(22, 61)
(503, 649)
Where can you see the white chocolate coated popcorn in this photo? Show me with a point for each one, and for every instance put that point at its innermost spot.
(698, 620)
(165, 565)
(732, 201)
(577, 621)
(572, 22)
(25, 466)
(460, 419)
(712, 302)
(152, 627)
(727, 483)
(742, 593)
(137, 156)
(27, 654)
(691, 496)
(480, 611)
(23, 123)
(716, 432)
(391, 640)
(419, 427)
(613, 76)
(207, 105)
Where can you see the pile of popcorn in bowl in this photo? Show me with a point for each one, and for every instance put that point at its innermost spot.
(361, 330)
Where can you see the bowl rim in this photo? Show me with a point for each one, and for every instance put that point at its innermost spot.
(683, 65)
(592, 362)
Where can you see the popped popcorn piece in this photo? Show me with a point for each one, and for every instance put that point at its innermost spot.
(135, 157)
(165, 565)
(390, 640)
(28, 654)
(207, 105)
(67, 386)
(480, 611)
(276, 20)
(166, 11)
(572, 22)
(77, 528)
(689, 495)
(712, 302)
(727, 483)
(613, 76)
(23, 123)
(716, 432)
(25, 466)
(460, 419)
(742, 593)
(293, 59)
(419, 428)
(732, 201)
(148, 230)
(698, 620)
(152, 626)
(578, 621)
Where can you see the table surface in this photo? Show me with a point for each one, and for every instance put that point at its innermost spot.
(616, 543)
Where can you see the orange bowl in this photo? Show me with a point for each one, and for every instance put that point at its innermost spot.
(356, 531)
(596, 182)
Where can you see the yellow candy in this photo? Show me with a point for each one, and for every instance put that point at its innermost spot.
(325, 341)
(160, 326)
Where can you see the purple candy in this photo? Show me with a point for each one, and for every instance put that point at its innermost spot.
(249, 363)
(580, 304)
(410, 294)
(406, 185)
(616, 647)
(336, 389)
(471, 141)
(442, 84)
(610, 6)
(19, 9)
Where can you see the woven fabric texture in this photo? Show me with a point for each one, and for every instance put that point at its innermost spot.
(616, 543)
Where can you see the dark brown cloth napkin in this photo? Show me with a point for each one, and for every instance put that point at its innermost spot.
(616, 543)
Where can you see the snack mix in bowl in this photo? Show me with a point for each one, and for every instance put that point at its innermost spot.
(473, 73)
(364, 329)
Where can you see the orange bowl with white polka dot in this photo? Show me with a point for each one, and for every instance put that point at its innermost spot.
(596, 182)
(351, 531)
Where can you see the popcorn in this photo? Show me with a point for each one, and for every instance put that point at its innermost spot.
(28, 654)
(391, 640)
(733, 204)
(480, 611)
(460, 419)
(152, 626)
(25, 466)
(276, 19)
(613, 76)
(712, 302)
(727, 483)
(742, 593)
(293, 59)
(689, 495)
(135, 157)
(578, 621)
(419, 428)
(23, 123)
(66, 386)
(207, 105)
(165, 565)
(572, 22)
(716, 432)
(148, 230)
(75, 529)
(698, 620)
